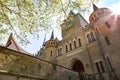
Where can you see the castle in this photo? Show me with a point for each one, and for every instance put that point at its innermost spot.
(89, 51)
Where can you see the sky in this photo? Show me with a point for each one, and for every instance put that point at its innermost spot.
(35, 44)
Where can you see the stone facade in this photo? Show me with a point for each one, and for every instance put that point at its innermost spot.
(94, 46)
(90, 49)
(20, 66)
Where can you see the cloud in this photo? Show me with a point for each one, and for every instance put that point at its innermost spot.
(115, 7)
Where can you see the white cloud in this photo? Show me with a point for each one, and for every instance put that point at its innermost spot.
(115, 7)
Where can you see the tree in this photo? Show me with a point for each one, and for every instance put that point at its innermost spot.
(28, 17)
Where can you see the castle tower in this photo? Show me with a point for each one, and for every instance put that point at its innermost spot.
(98, 16)
(106, 25)
(50, 48)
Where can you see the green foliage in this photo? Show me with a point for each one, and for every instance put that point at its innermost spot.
(28, 17)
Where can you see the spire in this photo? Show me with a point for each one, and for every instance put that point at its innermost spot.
(52, 35)
(94, 7)
(44, 40)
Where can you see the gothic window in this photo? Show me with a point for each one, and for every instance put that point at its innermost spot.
(97, 66)
(70, 46)
(79, 42)
(88, 37)
(107, 40)
(50, 53)
(102, 67)
(66, 48)
(58, 52)
(92, 36)
(75, 44)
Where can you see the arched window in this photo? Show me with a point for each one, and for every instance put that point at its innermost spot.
(107, 40)
(92, 36)
(75, 44)
(70, 46)
(97, 66)
(79, 42)
(66, 48)
(50, 53)
(100, 66)
(88, 37)
(60, 51)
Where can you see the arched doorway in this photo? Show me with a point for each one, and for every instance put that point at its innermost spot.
(78, 66)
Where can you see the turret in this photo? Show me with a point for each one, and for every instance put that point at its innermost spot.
(50, 48)
(99, 19)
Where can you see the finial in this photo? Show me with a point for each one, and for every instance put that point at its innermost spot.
(52, 35)
(44, 40)
(95, 7)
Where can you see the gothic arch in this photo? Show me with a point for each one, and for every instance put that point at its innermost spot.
(77, 65)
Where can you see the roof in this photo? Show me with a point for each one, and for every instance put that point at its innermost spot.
(95, 7)
(12, 44)
(52, 35)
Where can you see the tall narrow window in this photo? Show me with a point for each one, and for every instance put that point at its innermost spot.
(102, 67)
(60, 51)
(107, 40)
(79, 41)
(66, 48)
(97, 66)
(75, 44)
(92, 36)
(70, 46)
(88, 37)
(50, 53)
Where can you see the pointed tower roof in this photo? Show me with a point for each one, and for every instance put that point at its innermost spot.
(52, 35)
(95, 7)
(43, 44)
(12, 44)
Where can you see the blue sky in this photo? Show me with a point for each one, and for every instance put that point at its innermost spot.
(36, 44)
(108, 3)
